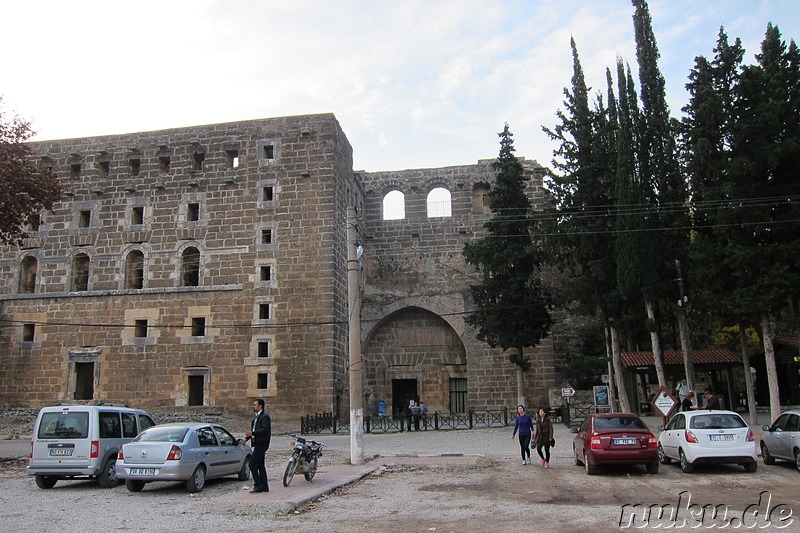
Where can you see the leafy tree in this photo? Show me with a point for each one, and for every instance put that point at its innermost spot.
(26, 186)
(512, 309)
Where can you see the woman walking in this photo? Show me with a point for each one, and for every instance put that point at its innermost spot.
(543, 437)
(525, 427)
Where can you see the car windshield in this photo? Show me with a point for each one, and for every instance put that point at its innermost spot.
(618, 422)
(64, 425)
(162, 434)
(717, 421)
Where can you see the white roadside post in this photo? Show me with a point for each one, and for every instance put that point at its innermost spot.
(354, 321)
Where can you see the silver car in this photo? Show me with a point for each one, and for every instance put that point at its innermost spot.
(191, 451)
(781, 440)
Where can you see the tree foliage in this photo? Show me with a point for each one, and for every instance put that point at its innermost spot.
(27, 186)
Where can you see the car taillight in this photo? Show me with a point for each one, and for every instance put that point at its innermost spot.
(750, 437)
(652, 441)
(30, 456)
(594, 444)
(175, 453)
(690, 436)
(94, 450)
(120, 455)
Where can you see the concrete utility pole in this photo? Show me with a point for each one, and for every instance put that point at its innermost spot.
(356, 368)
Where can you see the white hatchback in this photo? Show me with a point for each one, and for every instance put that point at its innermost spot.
(702, 437)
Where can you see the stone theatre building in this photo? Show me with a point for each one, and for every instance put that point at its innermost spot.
(206, 266)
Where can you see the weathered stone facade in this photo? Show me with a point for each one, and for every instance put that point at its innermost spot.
(207, 265)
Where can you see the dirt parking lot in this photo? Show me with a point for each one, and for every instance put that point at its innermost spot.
(502, 494)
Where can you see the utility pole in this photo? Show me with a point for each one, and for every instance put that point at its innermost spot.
(354, 321)
(683, 329)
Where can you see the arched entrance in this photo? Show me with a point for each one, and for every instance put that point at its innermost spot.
(414, 354)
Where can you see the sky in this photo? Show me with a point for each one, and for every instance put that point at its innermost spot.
(414, 84)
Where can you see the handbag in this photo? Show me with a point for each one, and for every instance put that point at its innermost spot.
(552, 442)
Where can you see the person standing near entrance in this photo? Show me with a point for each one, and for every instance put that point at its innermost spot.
(682, 390)
(525, 427)
(259, 435)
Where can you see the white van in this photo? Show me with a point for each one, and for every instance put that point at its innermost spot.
(81, 441)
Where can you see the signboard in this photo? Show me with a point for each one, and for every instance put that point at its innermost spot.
(664, 403)
(604, 378)
(601, 396)
(567, 392)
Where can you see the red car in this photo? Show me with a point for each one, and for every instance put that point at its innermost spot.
(615, 439)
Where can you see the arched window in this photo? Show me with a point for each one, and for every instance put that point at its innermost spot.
(394, 206)
(80, 273)
(134, 270)
(190, 267)
(27, 274)
(439, 203)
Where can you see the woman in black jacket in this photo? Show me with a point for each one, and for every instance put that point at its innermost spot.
(543, 436)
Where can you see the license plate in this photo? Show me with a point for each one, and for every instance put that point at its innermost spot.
(625, 442)
(143, 471)
(720, 437)
(61, 452)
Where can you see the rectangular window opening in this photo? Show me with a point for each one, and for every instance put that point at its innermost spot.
(266, 236)
(197, 160)
(193, 212)
(267, 194)
(196, 386)
(198, 326)
(135, 166)
(232, 158)
(140, 328)
(103, 168)
(458, 395)
(75, 170)
(263, 381)
(84, 381)
(28, 332)
(137, 216)
(266, 273)
(163, 164)
(263, 311)
(84, 218)
(269, 151)
(263, 349)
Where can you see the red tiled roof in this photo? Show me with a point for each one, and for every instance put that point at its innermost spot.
(674, 357)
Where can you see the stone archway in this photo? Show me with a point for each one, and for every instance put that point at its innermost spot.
(412, 344)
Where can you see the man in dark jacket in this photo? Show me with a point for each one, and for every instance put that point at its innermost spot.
(259, 435)
(712, 402)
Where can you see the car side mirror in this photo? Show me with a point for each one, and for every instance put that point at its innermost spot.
(573, 430)
(766, 428)
(662, 427)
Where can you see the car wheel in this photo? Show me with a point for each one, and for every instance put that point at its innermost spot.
(288, 474)
(46, 482)
(134, 485)
(198, 480)
(578, 462)
(686, 466)
(244, 471)
(750, 467)
(108, 474)
(312, 469)
(766, 456)
(590, 469)
(662, 457)
(797, 459)
(652, 468)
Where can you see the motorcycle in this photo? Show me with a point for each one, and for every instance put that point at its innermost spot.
(303, 460)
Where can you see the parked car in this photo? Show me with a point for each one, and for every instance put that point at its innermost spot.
(192, 452)
(82, 441)
(700, 437)
(614, 439)
(781, 440)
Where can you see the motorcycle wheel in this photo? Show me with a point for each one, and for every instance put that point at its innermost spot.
(312, 469)
(291, 466)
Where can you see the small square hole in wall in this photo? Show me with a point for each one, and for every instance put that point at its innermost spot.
(263, 381)
(137, 215)
(198, 326)
(103, 168)
(232, 158)
(263, 349)
(84, 218)
(266, 273)
(266, 236)
(192, 212)
(75, 170)
(135, 166)
(28, 332)
(263, 311)
(140, 328)
(163, 164)
(197, 160)
(267, 193)
(269, 151)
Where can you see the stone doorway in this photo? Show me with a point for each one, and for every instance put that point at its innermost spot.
(404, 391)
